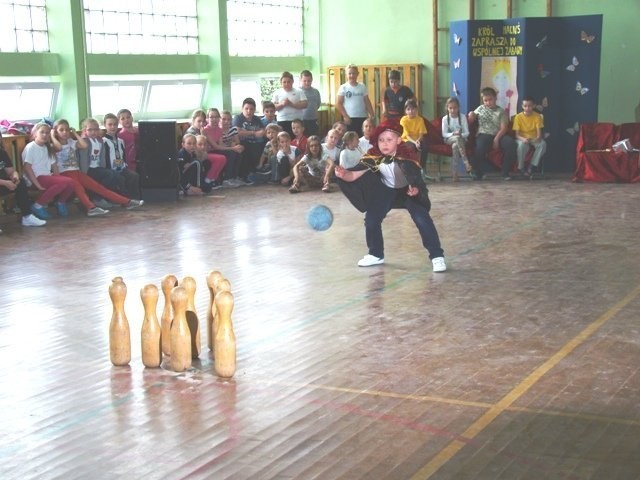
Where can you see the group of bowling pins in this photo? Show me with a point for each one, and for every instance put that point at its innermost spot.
(177, 335)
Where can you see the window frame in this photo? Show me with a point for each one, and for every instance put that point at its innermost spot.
(247, 46)
(26, 85)
(148, 40)
(147, 85)
(18, 29)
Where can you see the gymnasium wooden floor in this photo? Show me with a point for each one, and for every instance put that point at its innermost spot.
(520, 362)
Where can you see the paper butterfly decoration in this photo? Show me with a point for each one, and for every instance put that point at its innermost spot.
(543, 104)
(456, 63)
(547, 135)
(573, 129)
(573, 65)
(543, 73)
(542, 42)
(585, 37)
(455, 89)
(580, 89)
(457, 39)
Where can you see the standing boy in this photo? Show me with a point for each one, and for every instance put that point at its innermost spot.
(395, 97)
(389, 177)
(310, 113)
(528, 126)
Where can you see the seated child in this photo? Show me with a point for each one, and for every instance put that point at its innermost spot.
(330, 146)
(287, 157)
(413, 128)
(412, 124)
(129, 135)
(198, 122)
(93, 160)
(189, 166)
(67, 142)
(212, 165)
(340, 129)
(528, 126)
(455, 131)
(10, 182)
(493, 125)
(271, 132)
(351, 154)
(368, 126)
(314, 169)
(41, 171)
(224, 140)
(116, 157)
(299, 140)
(268, 113)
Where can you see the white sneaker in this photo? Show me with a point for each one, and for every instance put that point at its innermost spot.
(438, 264)
(134, 204)
(370, 260)
(96, 211)
(230, 184)
(32, 221)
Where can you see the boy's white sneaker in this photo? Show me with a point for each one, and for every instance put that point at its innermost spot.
(32, 221)
(438, 264)
(96, 211)
(370, 260)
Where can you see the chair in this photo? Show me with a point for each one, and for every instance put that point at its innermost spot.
(595, 160)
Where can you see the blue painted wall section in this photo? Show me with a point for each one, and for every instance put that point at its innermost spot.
(556, 60)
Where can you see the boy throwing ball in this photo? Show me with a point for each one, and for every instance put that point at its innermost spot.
(389, 177)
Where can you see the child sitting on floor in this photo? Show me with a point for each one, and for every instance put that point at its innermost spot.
(299, 140)
(351, 153)
(314, 168)
(189, 166)
(287, 157)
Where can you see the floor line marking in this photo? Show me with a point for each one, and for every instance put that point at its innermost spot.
(454, 401)
(505, 402)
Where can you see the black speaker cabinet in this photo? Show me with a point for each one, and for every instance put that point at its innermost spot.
(157, 151)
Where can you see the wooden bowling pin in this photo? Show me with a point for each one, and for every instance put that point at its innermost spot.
(225, 340)
(168, 282)
(119, 334)
(212, 282)
(224, 285)
(180, 335)
(151, 333)
(189, 284)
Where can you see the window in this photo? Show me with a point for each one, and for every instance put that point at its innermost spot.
(141, 26)
(265, 28)
(23, 26)
(174, 97)
(30, 101)
(146, 98)
(260, 89)
(109, 97)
